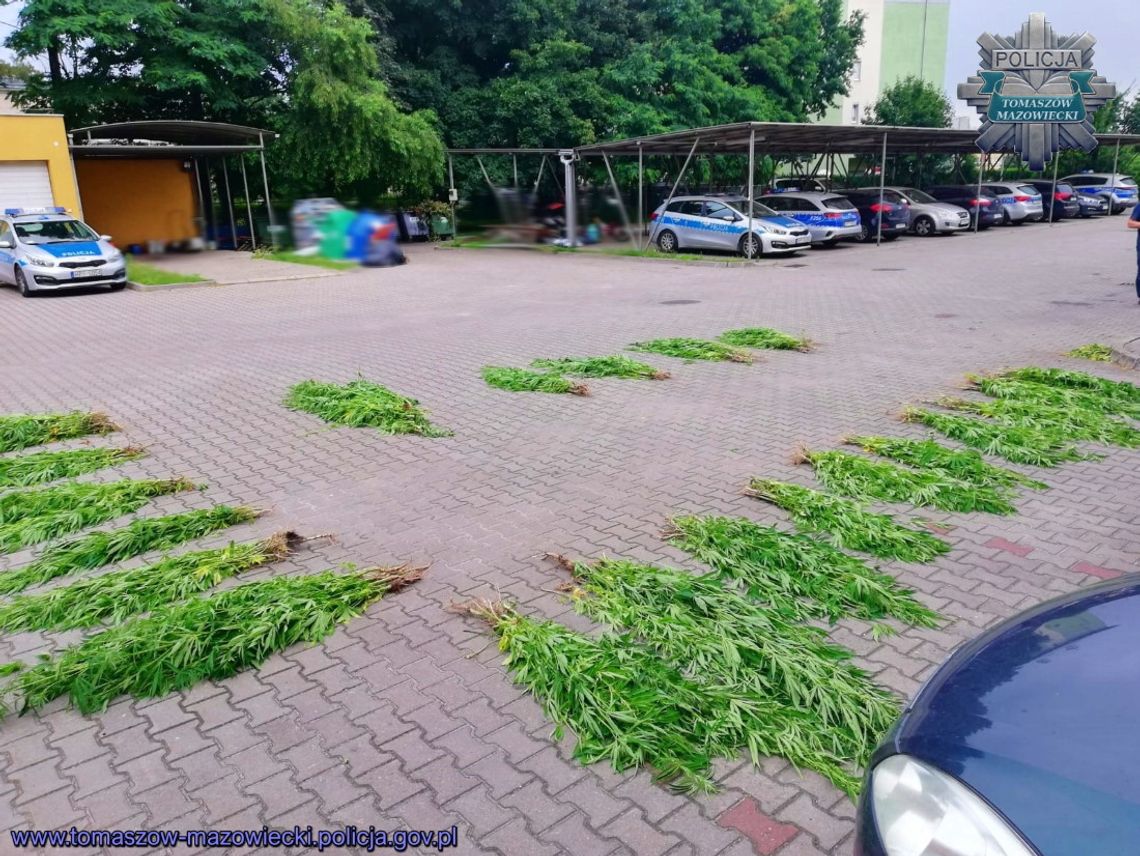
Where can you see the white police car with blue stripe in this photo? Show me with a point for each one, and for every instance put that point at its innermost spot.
(46, 249)
(720, 223)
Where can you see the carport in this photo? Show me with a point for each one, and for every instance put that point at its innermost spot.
(136, 176)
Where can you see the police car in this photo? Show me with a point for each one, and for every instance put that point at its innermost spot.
(46, 249)
(828, 216)
(1119, 191)
(716, 223)
(1020, 203)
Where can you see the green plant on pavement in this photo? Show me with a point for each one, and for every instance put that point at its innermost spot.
(765, 338)
(44, 467)
(1095, 352)
(967, 465)
(525, 380)
(362, 404)
(22, 430)
(693, 349)
(615, 366)
(1016, 443)
(1070, 423)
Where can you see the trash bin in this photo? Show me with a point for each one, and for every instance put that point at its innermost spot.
(442, 227)
(333, 228)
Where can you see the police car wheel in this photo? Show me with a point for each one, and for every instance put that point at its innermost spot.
(924, 227)
(667, 242)
(22, 284)
(864, 232)
(118, 286)
(754, 251)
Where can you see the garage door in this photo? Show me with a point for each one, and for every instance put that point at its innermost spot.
(25, 184)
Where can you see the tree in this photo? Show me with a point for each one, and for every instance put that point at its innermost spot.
(912, 102)
(15, 70)
(305, 68)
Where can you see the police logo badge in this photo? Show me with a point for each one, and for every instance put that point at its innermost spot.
(1036, 92)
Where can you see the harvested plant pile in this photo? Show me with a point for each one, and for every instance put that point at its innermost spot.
(693, 349)
(43, 467)
(863, 478)
(764, 338)
(1017, 443)
(96, 549)
(213, 637)
(1095, 352)
(31, 516)
(525, 380)
(848, 524)
(965, 465)
(362, 404)
(614, 366)
(1057, 396)
(33, 429)
(1059, 423)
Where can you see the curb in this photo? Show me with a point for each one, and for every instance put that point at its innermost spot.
(1128, 354)
(134, 286)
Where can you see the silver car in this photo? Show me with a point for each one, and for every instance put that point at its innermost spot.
(1119, 191)
(46, 249)
(828, 216)
(716, 223)
(930, 216)
(1020, 203)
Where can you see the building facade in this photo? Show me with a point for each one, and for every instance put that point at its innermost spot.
(901, 38)
(35, 164)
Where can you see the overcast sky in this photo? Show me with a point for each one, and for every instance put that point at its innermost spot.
(1113, 22)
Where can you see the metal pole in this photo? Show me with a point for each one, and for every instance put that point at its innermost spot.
(882, 191)
(570, 197)
(230, 204)
(248, 207)
(515, 162)
(538, 180)
(201, 201)
(640, 191)
(621, 202)
(1053, 198)
(978, 196)
(1112, 188)
(490, 183)
(265, 181)
(751, 184)
(680, 175)
(451, 197)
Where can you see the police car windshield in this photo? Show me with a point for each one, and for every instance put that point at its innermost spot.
(758, 210)
(1128, 182)
(53, 232)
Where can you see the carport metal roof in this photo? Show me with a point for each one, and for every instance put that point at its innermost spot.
(162, 138)
(807, 138)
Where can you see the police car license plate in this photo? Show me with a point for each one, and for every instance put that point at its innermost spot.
(85, 274)
(802, 239)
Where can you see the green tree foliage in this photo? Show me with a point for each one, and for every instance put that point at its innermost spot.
(304, 68)
(912, 102)
(15, 70)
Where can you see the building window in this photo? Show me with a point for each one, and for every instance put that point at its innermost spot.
(857, 71)
(855, 113)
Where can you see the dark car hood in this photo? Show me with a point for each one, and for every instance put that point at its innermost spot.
(1041, 715)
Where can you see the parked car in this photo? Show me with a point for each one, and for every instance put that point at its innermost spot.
(714, 223)
(1092, 206)
(1023, 743)
(793, 185)
(928, 216)
(828, 216)
(983, 208)
(1118, 190)
(1020, 203)
(894, 213)
(1064, 202)
(46, 249)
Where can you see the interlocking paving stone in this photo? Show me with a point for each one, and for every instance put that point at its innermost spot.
(408, 687)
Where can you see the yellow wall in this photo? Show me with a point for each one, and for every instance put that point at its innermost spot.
(40, 137)
(135, 201)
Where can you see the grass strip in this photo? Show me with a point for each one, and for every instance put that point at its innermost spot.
(615, 366)
(693, 349)
(622, 702)
(848, 524)
(117, 595)
(31, 516)
(800, 576)
(1118, 390)
(33, 429)
(1063, 423)
(862, 478)
(1096, 352)
(144, 274)
(967, 465)
(1040, 393)
(765, 338)
(525, 380)
(96, 549)
(828, 712)
(43, 467)
(362, 404)
(214, 637)
(1017, 443)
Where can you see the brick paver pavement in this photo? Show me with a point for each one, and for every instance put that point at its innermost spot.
(405, 717)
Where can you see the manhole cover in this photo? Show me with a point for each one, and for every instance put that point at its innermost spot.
(678, 302)
(1068, 303)
(945, 315)
(887, 269)
(796, 265)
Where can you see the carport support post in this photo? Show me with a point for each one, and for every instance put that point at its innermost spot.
(201, 201)
(230, 204)
(1053, 198)
(452, 196)
(751, 185)
(882, 191)
(641, 190)
(1115, 164)
(680, 175)
(978, 196)
(620, 201)
(248, 207)
(265, 182)
(570, 192)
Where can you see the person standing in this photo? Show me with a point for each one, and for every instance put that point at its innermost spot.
(1134, 223)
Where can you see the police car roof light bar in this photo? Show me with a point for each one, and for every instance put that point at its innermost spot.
(20, 212)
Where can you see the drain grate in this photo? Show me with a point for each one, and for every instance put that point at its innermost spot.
(945, 315)
(678, 302)
(796, 265)
(884, 270)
